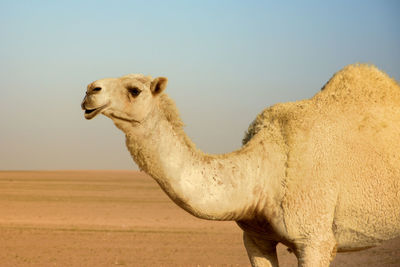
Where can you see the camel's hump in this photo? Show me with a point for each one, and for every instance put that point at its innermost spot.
(355, 87)
(360, 84)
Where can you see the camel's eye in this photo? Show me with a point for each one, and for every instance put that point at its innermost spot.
(134, 91)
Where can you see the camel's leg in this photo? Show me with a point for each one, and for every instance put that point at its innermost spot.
(316, 254)
(261, 253)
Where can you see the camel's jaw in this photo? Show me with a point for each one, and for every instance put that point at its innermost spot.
(91, 113)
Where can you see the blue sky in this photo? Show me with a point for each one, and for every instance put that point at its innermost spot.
(225, 61)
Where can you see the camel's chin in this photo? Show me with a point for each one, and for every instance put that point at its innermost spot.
(91, 113)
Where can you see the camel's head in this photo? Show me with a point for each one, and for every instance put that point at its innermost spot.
(130, 98)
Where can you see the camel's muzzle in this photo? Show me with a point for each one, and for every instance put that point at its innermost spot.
(90, 113)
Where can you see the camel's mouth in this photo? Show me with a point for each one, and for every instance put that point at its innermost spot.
(91, 113)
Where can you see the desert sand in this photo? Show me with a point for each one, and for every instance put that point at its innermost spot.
(109, 218)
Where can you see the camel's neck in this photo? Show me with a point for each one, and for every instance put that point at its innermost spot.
(223, 187)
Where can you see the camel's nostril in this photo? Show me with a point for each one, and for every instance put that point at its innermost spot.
(96, 89)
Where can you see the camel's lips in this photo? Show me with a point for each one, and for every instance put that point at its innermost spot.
(91, 113)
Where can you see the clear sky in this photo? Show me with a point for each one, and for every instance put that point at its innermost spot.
(225, 61)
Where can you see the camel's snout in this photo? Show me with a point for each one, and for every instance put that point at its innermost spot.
(92, 104)
(89, 97)
(83, 102)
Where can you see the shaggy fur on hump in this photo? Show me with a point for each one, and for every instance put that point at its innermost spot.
(357, 87)
(360, 84)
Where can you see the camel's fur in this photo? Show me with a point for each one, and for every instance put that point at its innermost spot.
(319, 175)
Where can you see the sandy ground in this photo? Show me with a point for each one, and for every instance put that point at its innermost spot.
(108, 218)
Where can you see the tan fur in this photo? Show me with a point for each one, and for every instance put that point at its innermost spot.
(319, 175)
(171, 114)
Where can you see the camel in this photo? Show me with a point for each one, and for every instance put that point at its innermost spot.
(320, 175)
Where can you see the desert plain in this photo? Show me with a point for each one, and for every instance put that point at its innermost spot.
(122, 218)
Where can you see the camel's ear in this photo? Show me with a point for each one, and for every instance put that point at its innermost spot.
(158, 85)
